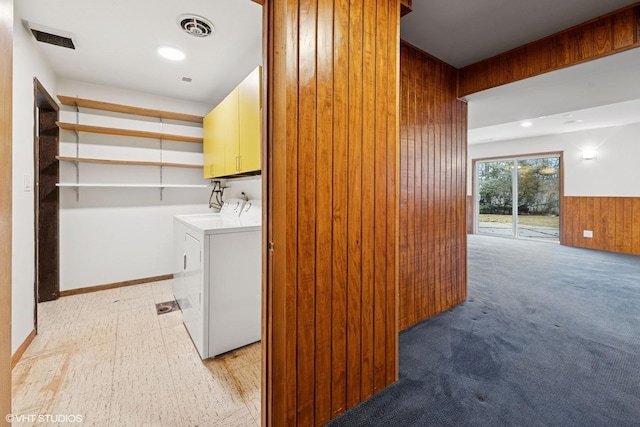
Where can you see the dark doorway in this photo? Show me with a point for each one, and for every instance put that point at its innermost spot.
(47, 253)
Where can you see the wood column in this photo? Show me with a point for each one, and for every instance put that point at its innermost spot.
(433, 158)
(331, 333)
(6, 89)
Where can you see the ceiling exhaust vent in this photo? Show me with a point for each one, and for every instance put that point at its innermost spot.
(51, 35)
(195, 25)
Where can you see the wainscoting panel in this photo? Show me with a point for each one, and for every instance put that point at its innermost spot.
(614, 221)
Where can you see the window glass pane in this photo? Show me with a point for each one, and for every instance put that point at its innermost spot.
(539, 198)
(495, 191)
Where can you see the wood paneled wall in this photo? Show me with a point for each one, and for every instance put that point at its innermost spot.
(333, 82)
(433, 156)
(6, 85)
(606, 35)
(470, 214)
(615, 222)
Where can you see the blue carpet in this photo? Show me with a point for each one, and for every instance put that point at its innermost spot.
(549, 336)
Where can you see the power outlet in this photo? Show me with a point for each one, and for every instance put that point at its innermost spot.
(588, 234)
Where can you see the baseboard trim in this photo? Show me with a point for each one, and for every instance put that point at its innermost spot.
(115, 285)
(23, 347)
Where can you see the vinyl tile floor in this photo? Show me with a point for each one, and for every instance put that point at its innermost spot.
(108, 359)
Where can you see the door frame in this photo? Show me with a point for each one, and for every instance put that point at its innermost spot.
(43, 103)
(6, 138)
(474, 184)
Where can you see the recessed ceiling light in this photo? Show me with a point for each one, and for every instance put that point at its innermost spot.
(171, 53)
(526, 124)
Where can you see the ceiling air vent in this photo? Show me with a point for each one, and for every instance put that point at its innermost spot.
(51, 35)
(195, 25)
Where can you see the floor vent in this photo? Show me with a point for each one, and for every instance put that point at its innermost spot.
(166, 307)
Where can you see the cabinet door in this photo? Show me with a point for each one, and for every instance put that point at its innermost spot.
(213, 147)
(250, 114)
(220, 129)
(229, 126)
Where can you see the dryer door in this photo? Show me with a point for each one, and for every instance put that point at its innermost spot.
(193, 310)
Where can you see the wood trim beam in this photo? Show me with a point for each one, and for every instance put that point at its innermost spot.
(6, 102)
(406, 6)
(606, 35)
(115, 285)
(23, 347)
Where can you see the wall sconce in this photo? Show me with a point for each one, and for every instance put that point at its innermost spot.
(588, 154)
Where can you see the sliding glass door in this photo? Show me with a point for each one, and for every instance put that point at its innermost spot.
(519, 197)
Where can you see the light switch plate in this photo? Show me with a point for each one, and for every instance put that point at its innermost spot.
(28, 186)
(588, 233)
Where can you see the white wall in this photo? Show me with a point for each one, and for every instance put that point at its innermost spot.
(110, 235)
(27, 64)
(615, 171)
(250, 186)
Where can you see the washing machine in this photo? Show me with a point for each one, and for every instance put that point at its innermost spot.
(218, 278)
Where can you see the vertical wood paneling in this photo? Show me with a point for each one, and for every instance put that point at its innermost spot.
(384, 207)
(615, 222)
(368, 191)
(636, 24)
(635, 227)
(306, 241)
(623, 24)
(324, 226)
(390, 67)
(334, 67)
(6, 83)
(354, 203)
(470, 216)
(433, 189)
(340, 255)
(608, 34)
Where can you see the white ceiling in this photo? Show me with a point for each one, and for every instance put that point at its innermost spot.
(116, 42)
(600, 93)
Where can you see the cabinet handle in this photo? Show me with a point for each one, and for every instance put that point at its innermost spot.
(238, 163)
(184, 261)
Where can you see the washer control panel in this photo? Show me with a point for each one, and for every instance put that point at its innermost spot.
(232, 207)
